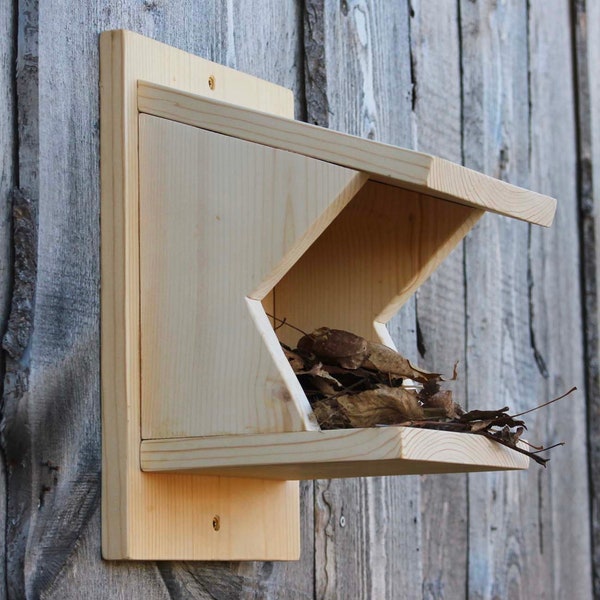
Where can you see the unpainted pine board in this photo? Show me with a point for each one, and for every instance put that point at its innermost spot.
(207, 367)
(238, 34)
(261, 38)
(63, 404)
(245, 580)
(557, 326)
(330, 454)
(379, 250)
(361, 63)
(138, 519)
(7, 181)
(587, 30)
(436, 72)
(388, 164)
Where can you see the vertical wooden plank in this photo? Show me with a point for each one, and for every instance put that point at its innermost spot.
(557, 326)
(55, 536)
(7, 155)
(16, 448)
(505, 557)
(357, 68)
(8, 36)
(436, 72)
(586, 21)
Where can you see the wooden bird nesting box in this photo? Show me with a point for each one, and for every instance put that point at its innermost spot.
(217, 210)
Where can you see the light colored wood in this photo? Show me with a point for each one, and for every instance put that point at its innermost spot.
(332, 453)
(211, 363)
(142, 514)
(197, 325)
(372, 258)
(388, 164)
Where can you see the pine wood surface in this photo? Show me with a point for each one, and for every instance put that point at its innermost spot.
(138, 521)
(328, 454)
(387, 164)
(352, 62)
(207, 367)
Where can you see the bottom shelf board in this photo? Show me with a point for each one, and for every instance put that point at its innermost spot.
(331, 454)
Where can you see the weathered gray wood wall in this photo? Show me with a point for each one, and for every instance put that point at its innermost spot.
(509, 87)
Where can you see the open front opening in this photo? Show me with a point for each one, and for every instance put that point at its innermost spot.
(365, 265)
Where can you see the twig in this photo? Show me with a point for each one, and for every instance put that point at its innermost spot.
(533, 455)
(545, 404)
(284, 322)
(548, 448)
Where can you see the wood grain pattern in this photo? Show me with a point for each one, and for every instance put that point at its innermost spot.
(499, 351)
(512, 326)
(378, 251)
(387, 164)
(365, 84)
(207, 367)
(368, 544)
(586, 21)
(440, 304)
(8, 170)
(557, 326)
(327, 454)
(138, 517)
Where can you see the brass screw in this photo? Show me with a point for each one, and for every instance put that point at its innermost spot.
(211, 82)
(216, 523)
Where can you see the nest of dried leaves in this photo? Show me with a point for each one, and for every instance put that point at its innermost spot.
(352, 383)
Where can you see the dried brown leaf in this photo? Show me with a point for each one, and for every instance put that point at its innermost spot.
(335, 345)
(384, 406)
(384, 359)
(443, 400)
(329, 415)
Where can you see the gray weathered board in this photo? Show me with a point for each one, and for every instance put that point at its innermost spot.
(509, 88)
